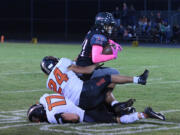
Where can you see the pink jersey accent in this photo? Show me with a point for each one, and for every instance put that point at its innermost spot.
(97, 55)
(116, 44)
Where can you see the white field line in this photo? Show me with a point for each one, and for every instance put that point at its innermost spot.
(17, 61)
(81, 128)
(19, 125)
(138, 67)
(20, 72)
(121, 67)
(85, 129)
(154, 79)
(16, 111)
(119, 85)
(144, 67)
(150, 83)
(130, 130)
(22, 91)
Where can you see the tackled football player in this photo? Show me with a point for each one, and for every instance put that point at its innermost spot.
(57, 109)
(92, 50)
(88, 94)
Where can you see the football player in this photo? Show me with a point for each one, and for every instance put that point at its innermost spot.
(56, 109)
(96, 39)
(88, 94)
(92, 47)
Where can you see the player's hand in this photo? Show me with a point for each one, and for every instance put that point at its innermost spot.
(118, 46)
(115, 52)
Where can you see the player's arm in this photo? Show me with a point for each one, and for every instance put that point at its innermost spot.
(98, 42)
(98, 56)
(83, 70)
(70, 118)
(67, 118)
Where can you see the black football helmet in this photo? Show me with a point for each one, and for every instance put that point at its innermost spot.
(105, 21)
(37, 112)
(47, 64)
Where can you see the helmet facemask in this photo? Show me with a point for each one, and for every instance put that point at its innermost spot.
(109, 29)
(48, 63)
(105, 21)
(36, 113)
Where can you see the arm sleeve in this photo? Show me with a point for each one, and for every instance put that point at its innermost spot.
(97, 55)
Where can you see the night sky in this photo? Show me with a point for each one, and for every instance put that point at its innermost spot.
(46, 19)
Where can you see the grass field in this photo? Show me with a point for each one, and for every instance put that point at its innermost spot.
(22, 83)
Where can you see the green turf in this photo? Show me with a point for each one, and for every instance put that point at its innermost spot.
(22, 83)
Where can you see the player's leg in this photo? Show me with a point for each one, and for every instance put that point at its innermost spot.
(111, 100)
(104, 71)
(99, 115)
(93, 92)
(148, 113)
(119, 79)
(119, 107)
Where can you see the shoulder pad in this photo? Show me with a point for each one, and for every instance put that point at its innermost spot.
(98, 39)
(65, 61)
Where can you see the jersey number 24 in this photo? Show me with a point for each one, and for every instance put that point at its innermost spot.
(60, 78)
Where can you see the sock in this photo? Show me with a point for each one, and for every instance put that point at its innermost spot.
(135, 79)
(130, 118)
(114, 102)
(142, 115)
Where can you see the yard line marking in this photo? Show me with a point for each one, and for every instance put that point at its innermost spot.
(149, 130)
(16, 111)
(15, 73)
(168, 111)
(22, 91)
(140, 129)
(141, 66)
(148, 83)
(154, 79)
(165, 82)
(144, 67)
(116, 129)
(88, 129)
(121, 67)
(119, 85)
(20, 125)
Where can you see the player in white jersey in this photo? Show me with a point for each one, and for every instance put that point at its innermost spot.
(65, 81)
(85, 94)
(55, 104)
(56, 109)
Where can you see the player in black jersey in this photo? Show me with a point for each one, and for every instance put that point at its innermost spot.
(96, 39)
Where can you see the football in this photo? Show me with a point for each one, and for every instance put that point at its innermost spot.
(107, 50)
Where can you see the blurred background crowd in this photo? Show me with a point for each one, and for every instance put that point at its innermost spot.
(152, 27)
(153, 21)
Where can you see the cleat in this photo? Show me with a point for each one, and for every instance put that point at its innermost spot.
(151, 114)
(129, 110)
(125, 104)
(142, 78)
(125, 111)
(122, 108)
